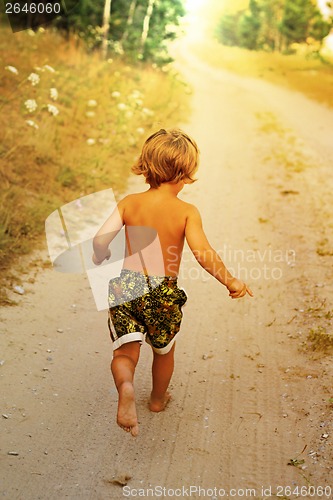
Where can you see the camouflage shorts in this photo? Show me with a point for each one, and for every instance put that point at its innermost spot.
(142, 305)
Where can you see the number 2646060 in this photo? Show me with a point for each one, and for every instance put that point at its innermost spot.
(302, 491)
(33, 8)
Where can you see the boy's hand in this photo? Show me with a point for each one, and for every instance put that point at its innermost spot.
(237, 289)
(99, 262)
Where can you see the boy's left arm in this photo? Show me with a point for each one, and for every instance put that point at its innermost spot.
(107, 233)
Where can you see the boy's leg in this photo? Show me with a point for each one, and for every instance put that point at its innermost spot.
(123, 365)
(162, 371)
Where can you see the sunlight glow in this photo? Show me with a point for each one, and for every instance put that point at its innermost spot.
(194, 5)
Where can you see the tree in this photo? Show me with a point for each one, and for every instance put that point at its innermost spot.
(296, 20)
(163, 27)
(129, 22)
(106, 26)
(319, 27)
(249, 27)
(270, 35)
(227, 29)
(274, 24)
(242, 28)
(145, 28)
(136, 27)
(81, 18)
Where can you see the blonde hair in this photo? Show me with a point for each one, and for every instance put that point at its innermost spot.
(167, 156)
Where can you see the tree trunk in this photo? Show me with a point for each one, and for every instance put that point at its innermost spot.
(146, 21)
(106, 27)
(129, 21)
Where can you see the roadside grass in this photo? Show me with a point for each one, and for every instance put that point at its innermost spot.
(82, 140)
(302, 72)
(320, 337)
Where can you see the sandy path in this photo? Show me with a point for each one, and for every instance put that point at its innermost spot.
(245, 399)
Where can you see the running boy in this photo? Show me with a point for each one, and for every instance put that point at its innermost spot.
(146, 299)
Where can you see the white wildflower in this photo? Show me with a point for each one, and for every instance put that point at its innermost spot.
(38, 68)
(54, 94)
(92, 103)
(135, 94)
(140, 130)
(122, 106)
(30, 32)
(53, 110)
(147, 112)
(49, 68)
(12, 69)
(31, 123)
(129, 114)
(34, 79)
(90, 114)
(31, 105)
(110, 61)
(139, 102)
(115, 94)
(91, 141)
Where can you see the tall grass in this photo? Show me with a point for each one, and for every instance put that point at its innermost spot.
(86, 141)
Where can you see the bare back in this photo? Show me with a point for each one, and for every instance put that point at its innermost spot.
(155, 231)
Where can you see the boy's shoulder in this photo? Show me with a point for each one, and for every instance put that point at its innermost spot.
(181, 206)
(189, 207)
(126, 200)
(132, 198)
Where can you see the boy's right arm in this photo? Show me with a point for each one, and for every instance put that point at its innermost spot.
(106, 234)
(208, 258)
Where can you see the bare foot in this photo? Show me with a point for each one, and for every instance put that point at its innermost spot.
(159, 404)
(126, 417)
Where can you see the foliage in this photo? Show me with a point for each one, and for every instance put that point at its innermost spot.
(164, 22)
(249, 27)
(227, 29)
(274, 25)
(301, 19)
(125, 33)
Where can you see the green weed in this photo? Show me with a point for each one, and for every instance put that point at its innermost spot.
(320, 339)
(324, 248)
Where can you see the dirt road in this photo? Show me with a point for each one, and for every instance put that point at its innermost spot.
(246, 399)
